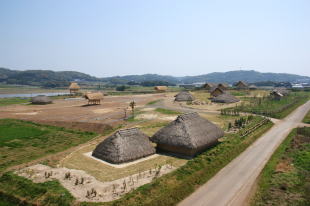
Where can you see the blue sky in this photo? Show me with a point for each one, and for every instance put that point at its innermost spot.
(173, 37)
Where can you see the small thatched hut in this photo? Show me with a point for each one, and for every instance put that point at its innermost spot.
(208, 85)
(276, 95)
(282, 90)
(94, 98)
(252, 87)
(161, 88)
(225, 98)
(214, 92)
(184, 96)
(241, 85)
(124, 146)
(74, 88)
(188, 135)
(223, 86)
(41, 99)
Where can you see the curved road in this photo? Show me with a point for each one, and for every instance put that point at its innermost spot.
(232, 185)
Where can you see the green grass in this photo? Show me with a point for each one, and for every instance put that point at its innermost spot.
(173, 187)
(290, 186)
(307, 118)
(153, 102)
(273, 108)
(167, 111)
(23, 141)
(15, 190)
(9, 101)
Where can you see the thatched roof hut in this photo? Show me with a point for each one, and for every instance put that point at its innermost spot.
(161, 88)
(214, 92)
(184, 96)
(241, 85)
(41, 99)
(188, 135)
(223, 86)
(276, 95)
(252, 87)
(74, 87)
(94, 98)
(208, 85)
(225, 98)
(124, 146)
(282, 90)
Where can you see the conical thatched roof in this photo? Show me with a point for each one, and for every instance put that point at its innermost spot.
(188, 135)
(184, 96)
(225, 98)
(124, 146)
(41, 99)
(216, 91)
(74, 85)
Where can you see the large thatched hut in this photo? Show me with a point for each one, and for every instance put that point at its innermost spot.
(124, 146)
(41, 99)
(94, 98)
(74, 88)
(241, 85)
(225, 98)
(160, 88)
(184, 96)
(214, 92)
(188, 135)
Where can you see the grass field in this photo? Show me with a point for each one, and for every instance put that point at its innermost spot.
(271, 107)
(9, 101)
(23, 141)
(15, 190)
(285, 180)
(307, 118)
(167, 111)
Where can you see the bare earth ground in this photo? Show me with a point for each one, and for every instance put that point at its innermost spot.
(233, 184)
(82, 185)
(75, 114)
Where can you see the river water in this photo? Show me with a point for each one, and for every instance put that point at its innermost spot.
(32, 94)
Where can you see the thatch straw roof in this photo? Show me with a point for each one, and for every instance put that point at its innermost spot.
(74, 85)
(241, 84)
(209, 85)
(252, 86)
(225, 98)
(223, 86)
(124, 146)
(188, 135)
(41, 99)
(282, 90)
(161, 88)
(216, 91)
(94, 96)
(184, 96)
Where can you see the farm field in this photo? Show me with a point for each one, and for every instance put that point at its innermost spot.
(23, 141)
(270, 107)
(285, 178)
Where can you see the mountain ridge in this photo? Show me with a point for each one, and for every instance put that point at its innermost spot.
(51, 78)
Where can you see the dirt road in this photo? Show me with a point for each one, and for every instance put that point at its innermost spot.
(232, 185)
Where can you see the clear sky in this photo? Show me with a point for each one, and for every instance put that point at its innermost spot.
(173, 37)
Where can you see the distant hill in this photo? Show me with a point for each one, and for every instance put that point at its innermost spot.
(49, 78)
(42, 77)
(228, 77)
